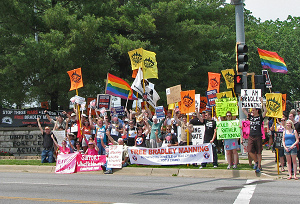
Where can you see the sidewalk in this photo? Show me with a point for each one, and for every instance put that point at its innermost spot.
(268, 164)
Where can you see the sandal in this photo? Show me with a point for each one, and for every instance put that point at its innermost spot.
(282, 170)
(296, 178)
(289, 178)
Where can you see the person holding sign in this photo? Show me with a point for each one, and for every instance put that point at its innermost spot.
(185, 127)
(255, 137)
(62, 149)
(231, 146)
(289, 141)
(169, 139)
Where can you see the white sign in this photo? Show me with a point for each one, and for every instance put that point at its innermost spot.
(250, 98)
(171, 155)
(115, 156)
(198, 134)
(77, 99)
(60, 135)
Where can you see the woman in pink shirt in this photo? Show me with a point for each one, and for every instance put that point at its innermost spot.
(92, 146)
(63, 149)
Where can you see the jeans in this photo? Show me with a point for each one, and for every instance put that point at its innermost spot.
(47, 156)
(101, 149)
(215, 155)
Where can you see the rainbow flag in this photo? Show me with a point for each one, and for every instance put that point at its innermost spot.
(271, 60)
(118, 87)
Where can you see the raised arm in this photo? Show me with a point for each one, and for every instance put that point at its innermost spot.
(47, 115)
(52, 136)
(39, 124)
(264, 112)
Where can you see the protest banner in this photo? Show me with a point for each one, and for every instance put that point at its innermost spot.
(250, 98)
(274, 105)
(228, 129)
(173, 94)
(89, 162)
(66, 163)
(211, 97)
(226, 104)
(104, 100)
(278, 140)
(75, 78)
(187, 101)
(225, 94)
(60, 135)
(228, 75)
(198, 134)
(197, 102)
(77, 99)
(214, 81)
(203, 103)
(115, 156)
(160, 112)
(246, 129)
(171, 155)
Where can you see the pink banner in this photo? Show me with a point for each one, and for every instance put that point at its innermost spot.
(246, 129)
(90, 162)
(66, 163)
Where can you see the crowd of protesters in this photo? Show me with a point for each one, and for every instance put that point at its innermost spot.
(92, 135)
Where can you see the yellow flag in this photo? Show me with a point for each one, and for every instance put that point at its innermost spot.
(149, 65)
(274, 105)
(136, 57)
(228, 75)
(225, 94)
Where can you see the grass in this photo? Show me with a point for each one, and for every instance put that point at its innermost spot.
(24, 162)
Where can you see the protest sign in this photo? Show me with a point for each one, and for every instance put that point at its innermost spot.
(226, 104)
(250, 98)
(115, 156)
(120, 111)
(171, 155)
(60, 135)
(203, 103)
(66, 163)
(160, 112)
(90, 162)
(246, 129)
(104, 100)
(283, 102)
(228, 129)
(173, 94)
(211, 97)
(228, 75)
(75, 78)
(274, 105)
(268, 80)
(77, 99)
(198, 134)
(187, 101)
(91, 105)
(213, 81)
(197, 102)
(278, 140)
(225, 94)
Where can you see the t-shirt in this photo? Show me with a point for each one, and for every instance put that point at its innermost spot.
(255, 125)
(210, 126)
(155, 127)
(64, 151)
(195, 121)
(113, 129)
(92, 151)
(101, 133)
(132, 132)
(141, 140)
(47, 140)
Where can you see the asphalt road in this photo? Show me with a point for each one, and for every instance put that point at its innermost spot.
(99, 188)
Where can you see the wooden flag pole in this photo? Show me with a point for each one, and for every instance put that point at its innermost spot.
(78, 110)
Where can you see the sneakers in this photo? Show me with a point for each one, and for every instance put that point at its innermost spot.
(215, 166)
(258, 170)
(228, 167)
(234, 166)
(201, 167)
(255, 165)
(103, 167)
(108, 172)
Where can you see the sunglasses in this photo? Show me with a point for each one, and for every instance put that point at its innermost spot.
(228, 115)
(168, 129)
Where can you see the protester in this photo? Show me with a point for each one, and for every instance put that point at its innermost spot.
(115, 128)
(86, 131)
(186, 129)
(47, 153)
(255, 136)
(231, 146)
(92, 146)
(155, 126)
(59, 123)
(62, 149)
(210, 135)
(289, 141)
(168, 139)
(131, 133)
(140, 139)
(280, 128)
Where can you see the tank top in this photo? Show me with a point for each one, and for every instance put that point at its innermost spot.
(289, 139)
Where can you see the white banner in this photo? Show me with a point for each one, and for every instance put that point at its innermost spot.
(115, 156)
(251, 98)
(60, 135)
(171, 155)
(198, 134)
(66, 163)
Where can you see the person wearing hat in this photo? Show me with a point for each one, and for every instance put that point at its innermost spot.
(195, 120)
(59, 123)
(62, 149)
(115, 128)
(47, 153)
(155, 127)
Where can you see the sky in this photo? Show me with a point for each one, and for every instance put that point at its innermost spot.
(273, 9)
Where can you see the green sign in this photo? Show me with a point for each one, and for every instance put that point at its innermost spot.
(228, 129)
(226, 104)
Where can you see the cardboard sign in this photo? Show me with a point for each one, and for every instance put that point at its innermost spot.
(226, 104)
(173, 94)
(251, 98)
(228, 129)
(115, 156)
(104, 100)
(198, 134)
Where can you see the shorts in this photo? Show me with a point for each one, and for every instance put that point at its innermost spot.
(231, 144)
(291, 152)
(255, 144)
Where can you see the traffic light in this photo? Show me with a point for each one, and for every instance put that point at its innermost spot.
(238, 83)
(241, 58)
(260, 81)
